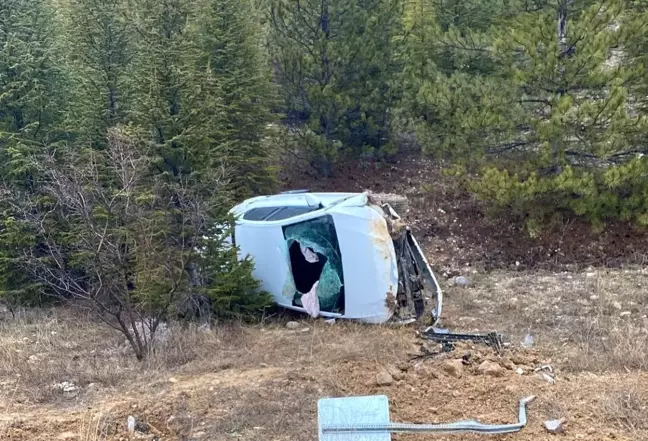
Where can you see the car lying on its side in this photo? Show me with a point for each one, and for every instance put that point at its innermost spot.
(338, 255)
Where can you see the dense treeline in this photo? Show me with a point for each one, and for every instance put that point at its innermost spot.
(129, 127)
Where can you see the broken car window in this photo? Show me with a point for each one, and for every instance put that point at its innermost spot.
(314, 255)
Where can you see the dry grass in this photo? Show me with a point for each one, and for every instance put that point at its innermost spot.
(42, 349)
(95, 428)
(39, 350)
(627, 407)
(592, 321)
(262, 382)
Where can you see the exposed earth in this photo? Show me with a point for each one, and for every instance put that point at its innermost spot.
(582, 297)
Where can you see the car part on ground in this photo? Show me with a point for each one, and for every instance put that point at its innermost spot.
(367, 419)
(493, 339)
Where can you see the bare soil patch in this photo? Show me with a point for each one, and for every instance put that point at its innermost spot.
(263, 381)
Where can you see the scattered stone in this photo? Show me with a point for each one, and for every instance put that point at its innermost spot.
(32, 359)
(544, 367)
(519, 371)
(617, 305)
(292, 325)
(508, 364)
(454, 368)
(555, 426)
(66, 387)
(330, 321)
(594, 297)
(141, 427)
(205, 327)
(384, 379)
(490, 368)
(625, 313)
(518, 359)
(173, 380)
(395, 372)
(304, 330)
(264, 365)
(461, 281)
(591, 274)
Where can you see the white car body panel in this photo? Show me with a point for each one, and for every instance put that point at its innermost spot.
(369, 265)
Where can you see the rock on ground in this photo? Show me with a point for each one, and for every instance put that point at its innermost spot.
(292, 325)
(454, 368)
(384, 379)
(490, 368)
(396, 373)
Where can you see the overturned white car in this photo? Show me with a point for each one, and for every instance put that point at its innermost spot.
(344, 255)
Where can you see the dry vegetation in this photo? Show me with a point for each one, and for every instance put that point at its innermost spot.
(263, 381)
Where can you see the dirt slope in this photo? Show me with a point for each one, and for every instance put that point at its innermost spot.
(263, 382)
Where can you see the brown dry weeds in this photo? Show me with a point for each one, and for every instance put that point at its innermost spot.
(262, 382)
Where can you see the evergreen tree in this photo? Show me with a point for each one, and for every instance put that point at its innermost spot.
(448, 65)
(230, 45)
(337, 63)
(554, 114)
(99, 50)
(30, 85)
(204, 125)
(31, 99)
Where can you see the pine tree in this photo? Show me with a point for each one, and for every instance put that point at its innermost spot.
(204, 125)
(32, 90)
(171, 99)
(553, 119)
(337, 63)
(30, 84)
(99, 47)
(230, 44)
(448, 66)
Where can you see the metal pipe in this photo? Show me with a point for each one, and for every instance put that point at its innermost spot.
(468, 426)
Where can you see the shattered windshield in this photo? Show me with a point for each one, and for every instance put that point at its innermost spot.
(316, 263)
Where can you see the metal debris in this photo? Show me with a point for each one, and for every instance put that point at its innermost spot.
(492, 339)
(367, 419)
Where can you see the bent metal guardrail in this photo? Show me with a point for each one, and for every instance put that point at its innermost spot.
(334, 421)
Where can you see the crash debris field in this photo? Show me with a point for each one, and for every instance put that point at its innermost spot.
(580, 311)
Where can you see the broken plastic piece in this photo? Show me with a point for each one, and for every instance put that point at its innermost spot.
(528, 341)
(367, 419)
(131, 424)
(555, 426)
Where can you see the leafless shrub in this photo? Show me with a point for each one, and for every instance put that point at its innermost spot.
(114, 239)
